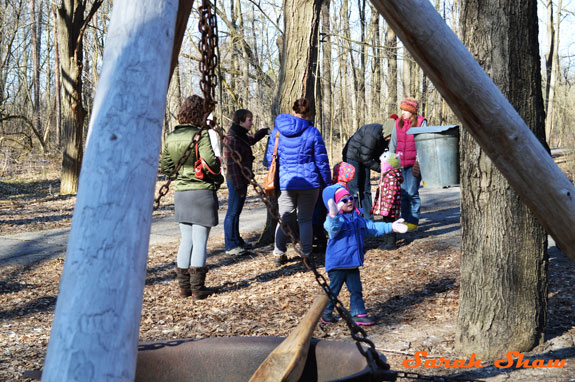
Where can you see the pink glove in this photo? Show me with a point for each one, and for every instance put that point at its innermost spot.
(398, 226)
(333, 208)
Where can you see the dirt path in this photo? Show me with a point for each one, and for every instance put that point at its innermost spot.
(412, 292)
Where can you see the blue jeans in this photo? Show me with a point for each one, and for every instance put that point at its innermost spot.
(353, 282)
(360, 186)
(236, 200)
(410, 201)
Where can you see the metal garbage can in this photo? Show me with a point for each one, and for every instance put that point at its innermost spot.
(438, 153)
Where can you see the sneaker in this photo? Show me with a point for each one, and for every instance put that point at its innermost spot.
(280, 260)
(328, 318)
(410, 226)
(237, 251)
(363, 319)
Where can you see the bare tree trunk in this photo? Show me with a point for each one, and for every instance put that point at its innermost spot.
(72, 23)
(174, 102)
(503, 297)
(297, 68)
(58, 82)
(549, 54)
(549, 122)
(374, 31)
(354, 85)
(361, 100)
(327, 96)
(391, 78)
(36, 28)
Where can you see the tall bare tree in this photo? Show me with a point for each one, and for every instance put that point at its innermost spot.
(503, 295)
(375, 39)
(325, 73)
(552, 66)
(391, 75)
(299, 55)
(73, 19)
(36, 32)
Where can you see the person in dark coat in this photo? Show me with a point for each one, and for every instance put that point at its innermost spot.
(239, 141)
(362, 151)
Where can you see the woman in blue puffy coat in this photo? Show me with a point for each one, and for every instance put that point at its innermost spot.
(303, 170)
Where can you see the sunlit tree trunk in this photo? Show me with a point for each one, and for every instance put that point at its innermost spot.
(391, 76)
(36, 32)
(57, 80)
(503, 295)
(297, 67)
(552, 69)
(72, 23)
(327, 97)
(374, 30)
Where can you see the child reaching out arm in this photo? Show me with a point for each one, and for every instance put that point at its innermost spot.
(345, 253)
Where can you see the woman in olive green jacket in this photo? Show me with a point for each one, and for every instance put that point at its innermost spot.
(195, 199)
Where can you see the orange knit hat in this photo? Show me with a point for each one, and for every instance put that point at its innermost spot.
(409, 104)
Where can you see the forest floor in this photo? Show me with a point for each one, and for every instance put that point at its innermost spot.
(411, 291)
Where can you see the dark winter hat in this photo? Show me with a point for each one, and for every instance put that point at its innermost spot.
(409, 104)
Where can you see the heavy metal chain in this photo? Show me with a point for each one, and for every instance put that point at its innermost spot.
(209, 62)
(208, 47)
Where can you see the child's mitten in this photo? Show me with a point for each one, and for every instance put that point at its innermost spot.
(333, 208)
(398, 226)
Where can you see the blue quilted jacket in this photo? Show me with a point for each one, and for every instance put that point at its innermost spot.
(346, 234)
(303, 161)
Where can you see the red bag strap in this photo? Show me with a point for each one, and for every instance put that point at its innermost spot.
(204, 163)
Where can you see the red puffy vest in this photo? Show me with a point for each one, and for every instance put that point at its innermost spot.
(406, 142)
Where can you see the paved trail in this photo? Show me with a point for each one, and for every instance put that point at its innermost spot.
(440, 216)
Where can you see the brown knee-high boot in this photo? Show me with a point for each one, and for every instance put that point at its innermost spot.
(197, 283)
(183, 278)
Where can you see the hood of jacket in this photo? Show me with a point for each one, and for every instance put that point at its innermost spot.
(329, 193)
(290, 125)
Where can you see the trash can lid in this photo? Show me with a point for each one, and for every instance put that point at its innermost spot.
(430, 129)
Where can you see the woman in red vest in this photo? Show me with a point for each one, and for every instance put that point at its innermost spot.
(404, 145)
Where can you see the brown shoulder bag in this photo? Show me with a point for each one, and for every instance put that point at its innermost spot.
(270, 181)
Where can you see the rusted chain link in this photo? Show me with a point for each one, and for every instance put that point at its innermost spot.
(208, 45)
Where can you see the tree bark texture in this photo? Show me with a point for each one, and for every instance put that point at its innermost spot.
(71, 25)
(503, 295)
(94, 335)
(325, 74)
(553, 76)
(391, 77)
(298, 68)
(300, 51)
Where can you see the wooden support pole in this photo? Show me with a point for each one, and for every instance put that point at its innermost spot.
(490, 118)
(96, 325)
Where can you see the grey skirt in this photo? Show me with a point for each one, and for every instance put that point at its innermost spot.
(197, 207)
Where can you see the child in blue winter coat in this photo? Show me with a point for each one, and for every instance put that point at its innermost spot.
(344, 254)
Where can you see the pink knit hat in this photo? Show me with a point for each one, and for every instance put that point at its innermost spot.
(409, 104)
(340, 193)
(343, 173)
